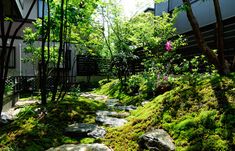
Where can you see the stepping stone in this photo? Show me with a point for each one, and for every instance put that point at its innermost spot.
(81, 147)
(83, 130)
(112, 102)
(94, 96)
(126, 108)
(112, 114)
(26, 103)
(98, 132)
(111, 121)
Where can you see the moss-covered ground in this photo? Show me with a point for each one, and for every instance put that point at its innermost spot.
(36, 131)
(199, 114)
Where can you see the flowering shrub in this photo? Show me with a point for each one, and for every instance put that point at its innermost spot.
(168, 46)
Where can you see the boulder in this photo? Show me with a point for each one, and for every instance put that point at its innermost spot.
(110, 121)
(83, 130)
(157, 140)
(81, 147)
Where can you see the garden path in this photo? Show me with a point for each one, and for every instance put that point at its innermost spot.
(114, 116)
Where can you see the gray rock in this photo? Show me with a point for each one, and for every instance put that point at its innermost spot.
(83, 129)
(145, 102)
(98, 132)
(112, 114)
(157, 140)
(111, 121)
(81, 147)
(94, 96)
(5, 118)
(112, 102)
(126, 108)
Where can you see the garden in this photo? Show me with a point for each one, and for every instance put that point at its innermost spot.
(152, 95)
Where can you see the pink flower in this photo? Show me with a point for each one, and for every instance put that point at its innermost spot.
(168, 46)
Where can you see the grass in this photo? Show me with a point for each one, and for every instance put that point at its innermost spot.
(199, 115)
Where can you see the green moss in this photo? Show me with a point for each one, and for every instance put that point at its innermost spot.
(87, 140)
(114, 90)
(34, 130)
(198, 117)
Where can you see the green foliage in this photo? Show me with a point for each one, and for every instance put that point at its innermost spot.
(33, 49)
(152, 32)
(133, 84)
(8, 19)
(8, 88)
(80, 29)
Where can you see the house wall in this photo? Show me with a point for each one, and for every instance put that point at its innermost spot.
(24, 6)
(204, 12)
(21, 67)
(160, 8)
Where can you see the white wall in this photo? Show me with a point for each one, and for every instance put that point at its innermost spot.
(26, 5)
(30, 69)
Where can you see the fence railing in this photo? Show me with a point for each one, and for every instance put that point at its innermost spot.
(31, 83)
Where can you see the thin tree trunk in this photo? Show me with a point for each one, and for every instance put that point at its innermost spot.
(42, 73)
(56, 83)
(2, 56)
(199, 38)
(220, 38)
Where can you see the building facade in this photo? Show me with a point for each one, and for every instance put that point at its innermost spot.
(17, 10)
(204, 13)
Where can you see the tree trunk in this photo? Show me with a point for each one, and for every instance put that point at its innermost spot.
(56, 83)
(220, 38)
(199, 38)
(42, 73)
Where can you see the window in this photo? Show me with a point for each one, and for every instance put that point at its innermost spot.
(40, 4)
(12, 63)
